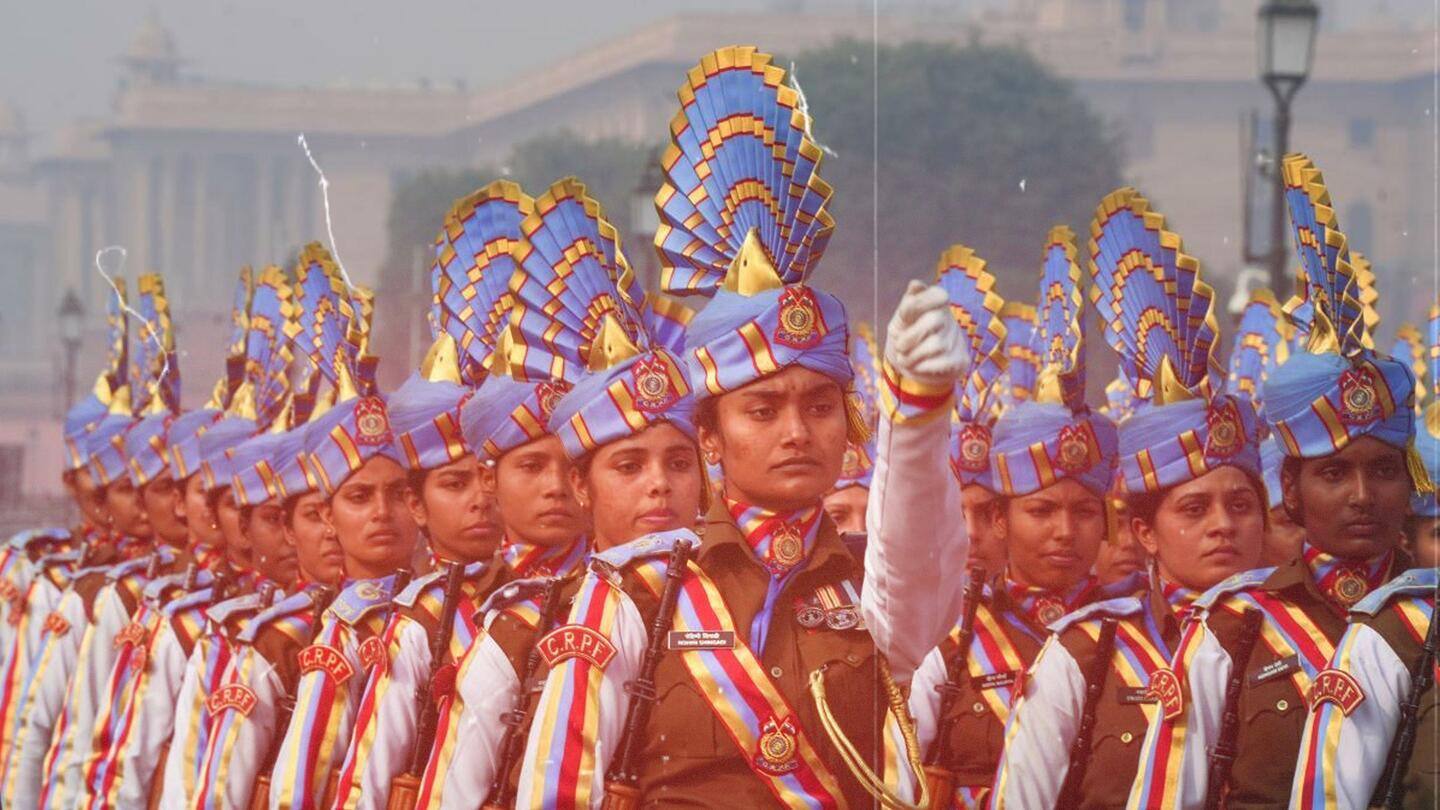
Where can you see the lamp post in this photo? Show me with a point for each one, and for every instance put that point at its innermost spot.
(1287, 48)
(645, 220)
(71, 319)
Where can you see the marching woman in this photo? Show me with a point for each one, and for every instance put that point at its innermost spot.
(1233, 702)
(1190, 463)
(1349, 756)
(1052, 461)
(769, 678)
(493, 444)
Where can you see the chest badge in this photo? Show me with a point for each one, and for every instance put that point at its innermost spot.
(775, 752)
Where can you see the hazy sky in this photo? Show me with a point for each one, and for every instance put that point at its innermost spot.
(57, 58)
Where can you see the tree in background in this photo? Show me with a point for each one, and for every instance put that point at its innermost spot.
(978, 144)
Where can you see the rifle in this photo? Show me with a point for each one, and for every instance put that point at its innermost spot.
(1222, 756)
(517, 719)
(405, 788)
(622, 779)
(1094, 686)
(260, 798)
(402, 579)
(1422, 678)
(938, 775)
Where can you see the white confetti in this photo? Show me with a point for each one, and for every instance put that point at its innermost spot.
(1022, 185)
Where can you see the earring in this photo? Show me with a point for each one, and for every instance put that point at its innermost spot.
(712, 458)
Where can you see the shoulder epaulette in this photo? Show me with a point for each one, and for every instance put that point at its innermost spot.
(1118, 607)
(651, 545)
(155, 588)
(1415, 582)
(1127, 586)
(284, 609)
(190, 600)
(120, 569)
(21, 539)
(221, 611)
(67, 557)
(361, 597)
(1234, 584)
(416, 587)
(515, 592)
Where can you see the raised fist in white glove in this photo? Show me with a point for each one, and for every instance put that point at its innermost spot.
(923, 342)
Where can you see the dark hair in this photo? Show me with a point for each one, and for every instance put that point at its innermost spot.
(707, 414)
(288, 506)
(415, 479)
(212, 498)
(1290, 468)
(246, 512)
(1145, 505)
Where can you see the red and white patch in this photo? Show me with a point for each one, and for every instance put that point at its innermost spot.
(132, 634)
(327, 659)
(799, 325)
(576, 641)
(55, 624)
(1338, 687)
(974, 447)
(1165, 689)
(372, 422)
(372, 654)
(236, 696)
(654, 390)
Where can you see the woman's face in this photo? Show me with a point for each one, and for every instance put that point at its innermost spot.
(201, 520)
(227, 514)
(1052, 536)
(780, 439)
(90, 498)
(162, 499)
(846, 507)
(457, 512)
(122, 501)
(374, 527)
(646, 483)
(317, 550)
(1122, 555)
(1425, 541)
(273, 555)
(1207, 529)
(1283, 539)
(1354, 502)
(987, 550)
(533, 493)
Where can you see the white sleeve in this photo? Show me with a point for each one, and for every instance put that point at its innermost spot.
(1346, 764)
(239, 739)
(1041, 728)
(384, 734)
(925, 699)
(154, 720)
(594, 725)
(916, 547)
(486, 686)
(1174, 768)
(181, 764)
(82, 702)
(42, 705)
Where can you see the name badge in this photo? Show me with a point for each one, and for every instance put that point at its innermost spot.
(1275, 669)
(1135, 695)
(995, 680)
(701, 640)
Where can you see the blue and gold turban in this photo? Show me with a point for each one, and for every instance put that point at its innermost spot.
(976, 307)
(182, 441)
(145, 448)
(743, 220)
(858, 466)
(215, 446)
(1055, 436)
(341, 440)
(583, 325)
(1336, 389)
(1159, 316)
(254, 466)
(79, 421)
(471, 300)
(1272, 459)
(105, 448)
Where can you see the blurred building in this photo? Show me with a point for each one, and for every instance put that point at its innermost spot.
(195, 177)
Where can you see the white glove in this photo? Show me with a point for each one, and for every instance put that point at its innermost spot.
(923, 342)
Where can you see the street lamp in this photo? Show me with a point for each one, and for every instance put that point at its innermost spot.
(1287, 48)
(71, 319)
(645, 220)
